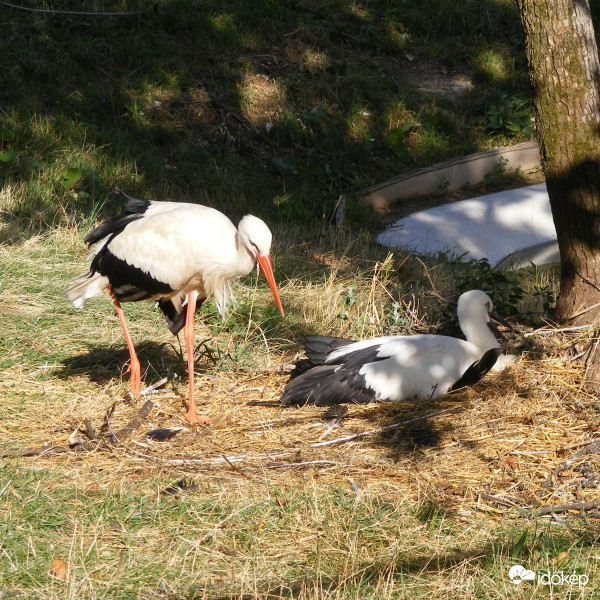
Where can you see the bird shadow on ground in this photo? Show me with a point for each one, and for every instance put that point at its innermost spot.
(404, 428)
(401, 428)
(102, 364)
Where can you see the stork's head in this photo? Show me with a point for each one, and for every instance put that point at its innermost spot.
(475, 304)
(257, 237)
(474, 311)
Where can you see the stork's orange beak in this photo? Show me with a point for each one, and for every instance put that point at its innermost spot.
(267, 269)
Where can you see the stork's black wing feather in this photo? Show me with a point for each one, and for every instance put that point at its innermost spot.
(176, 320)
(337, 382)
(134, 210)
(478, 369)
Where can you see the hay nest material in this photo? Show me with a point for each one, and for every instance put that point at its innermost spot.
(521, 442)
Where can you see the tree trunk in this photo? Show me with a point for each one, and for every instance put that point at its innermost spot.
(565, 74)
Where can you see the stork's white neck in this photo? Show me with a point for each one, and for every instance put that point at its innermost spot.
(246, 259)
(474, 308)
(476, 330)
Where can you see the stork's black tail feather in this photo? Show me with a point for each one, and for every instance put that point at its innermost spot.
(134, 209)
(316, 348)
(478, 369)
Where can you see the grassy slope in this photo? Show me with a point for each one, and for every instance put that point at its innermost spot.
(177, 102)
(173, 104)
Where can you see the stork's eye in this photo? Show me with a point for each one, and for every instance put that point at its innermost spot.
(254, 247)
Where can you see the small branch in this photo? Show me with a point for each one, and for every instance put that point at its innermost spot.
(585, 310)
(591, 354)
(497, 500)
(558, 330)
(234, 467)
(122, 434)
(592, 447)
(282, 368)
(273, 423)
(434, 292)
(542, 510)
(532, 452)
(210, 461)
(78, 13)
(91, 431)
(567, 447)
(548, 510)
(152, 387)
(301, 464)
(37, 451)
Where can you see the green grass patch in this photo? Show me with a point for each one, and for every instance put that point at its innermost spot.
(120, 541)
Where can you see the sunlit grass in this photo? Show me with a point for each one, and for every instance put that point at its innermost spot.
(342, 531)
(492, 67)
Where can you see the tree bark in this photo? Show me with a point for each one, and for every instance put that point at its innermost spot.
(565, 74)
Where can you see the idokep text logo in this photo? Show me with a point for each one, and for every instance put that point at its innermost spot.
(518, 574)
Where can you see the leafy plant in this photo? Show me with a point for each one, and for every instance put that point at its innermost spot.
(547, 294)
(71, 177)
(395, 137)
(509, 114)
(503, 286)
(7, 156)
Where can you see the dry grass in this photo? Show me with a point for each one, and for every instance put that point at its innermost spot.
(262, 98)
(428, 499)
(504, 437)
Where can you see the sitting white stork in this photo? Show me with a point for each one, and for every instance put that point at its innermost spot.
(401, 367)
(178, 254)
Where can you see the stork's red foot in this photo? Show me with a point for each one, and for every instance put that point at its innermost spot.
(194, 419)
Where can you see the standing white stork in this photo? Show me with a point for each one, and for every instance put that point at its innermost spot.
(401, 367)
(178, 254)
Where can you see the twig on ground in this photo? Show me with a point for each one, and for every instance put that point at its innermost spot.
(541, 510)
(582, 312)
(152, 387)
(593, 447)
(503, 501)
(305, 463)
(551, 450)
(122, 434)
(235, 468)
(282, 368)
(557, 330)
(547, 510)
(91, 431)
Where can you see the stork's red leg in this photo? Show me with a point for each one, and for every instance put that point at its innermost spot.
(191, 416)
(134, 364)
